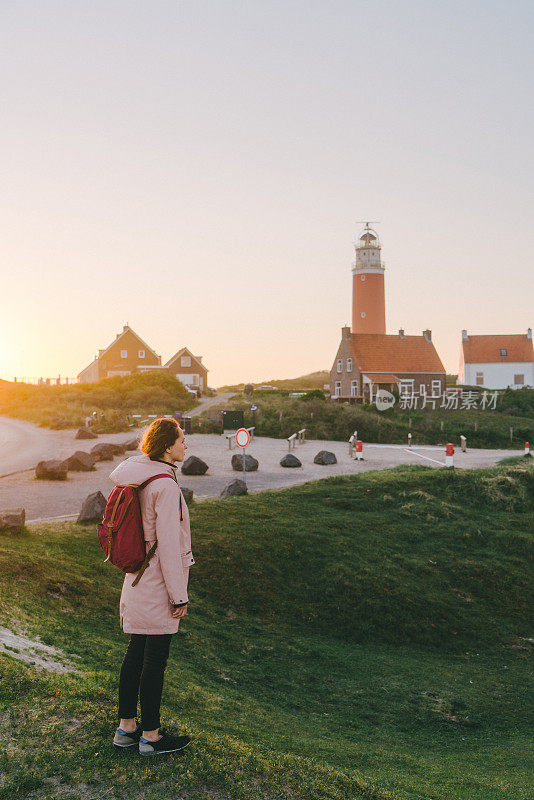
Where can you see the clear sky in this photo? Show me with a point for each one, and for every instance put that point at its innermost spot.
(196, 169)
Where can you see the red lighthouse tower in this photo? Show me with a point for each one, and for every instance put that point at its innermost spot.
(368, 298)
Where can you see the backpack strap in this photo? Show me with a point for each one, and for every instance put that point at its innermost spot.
(153, 548)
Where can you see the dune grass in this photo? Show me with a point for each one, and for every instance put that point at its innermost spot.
(113, 399)
(360, 636)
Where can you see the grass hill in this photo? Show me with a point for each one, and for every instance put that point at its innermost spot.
(361, 636)
(113, 399)
(314, 380)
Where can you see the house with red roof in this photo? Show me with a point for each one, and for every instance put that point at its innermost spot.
(369, 359)
(128, 353)
(367, 362)
(497, 361)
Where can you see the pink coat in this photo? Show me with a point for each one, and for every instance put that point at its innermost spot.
(147, 607)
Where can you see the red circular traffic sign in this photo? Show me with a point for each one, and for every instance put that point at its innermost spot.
(242, 437)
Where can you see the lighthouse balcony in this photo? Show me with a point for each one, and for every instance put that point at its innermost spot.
(371, 266)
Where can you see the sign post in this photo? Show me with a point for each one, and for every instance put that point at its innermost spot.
(242, 438)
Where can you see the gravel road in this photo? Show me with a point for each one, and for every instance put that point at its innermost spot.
(48, 500)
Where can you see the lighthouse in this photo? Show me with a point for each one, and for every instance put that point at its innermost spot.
(368, 298)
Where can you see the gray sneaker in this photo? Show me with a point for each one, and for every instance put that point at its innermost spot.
(124, 739)
(167, 743)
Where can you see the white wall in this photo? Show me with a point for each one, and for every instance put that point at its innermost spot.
(500, 376)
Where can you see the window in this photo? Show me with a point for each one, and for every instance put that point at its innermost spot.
(353, 388)
(362, 315)
(422, 388)
(185, 361)
(124, 353)
(406, 386)
(436, 387)
(339, 364)
(504, 351)
(141, 354)
(519, 380)
(480, 379)
(337, 388)
(363, 277)
(349, 364)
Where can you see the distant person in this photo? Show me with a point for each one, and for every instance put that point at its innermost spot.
(151, 611)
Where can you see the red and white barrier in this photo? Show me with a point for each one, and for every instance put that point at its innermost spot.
(358, 449)
(527, 449)
(449, 455)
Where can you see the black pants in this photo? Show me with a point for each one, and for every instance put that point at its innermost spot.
(142, 672)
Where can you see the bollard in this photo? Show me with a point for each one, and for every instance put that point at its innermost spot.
(449, 455)
(527, 449)
(358, 446)
(463, 443)
(409, 440)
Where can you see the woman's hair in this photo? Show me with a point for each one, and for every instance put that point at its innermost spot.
(160, 434)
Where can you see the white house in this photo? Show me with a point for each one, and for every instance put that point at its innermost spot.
(497, 361)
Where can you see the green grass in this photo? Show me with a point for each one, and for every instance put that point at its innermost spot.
(360, 636)
(114, 399)
(509, 425)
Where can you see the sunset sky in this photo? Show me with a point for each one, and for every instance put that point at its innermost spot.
(196, 169)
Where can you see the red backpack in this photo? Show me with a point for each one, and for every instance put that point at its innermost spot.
(121, 530)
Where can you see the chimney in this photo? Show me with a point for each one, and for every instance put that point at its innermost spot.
(465, 337)
(401, 333)
(124, 328)
(428, 335)
(345, 332)
(529, 333)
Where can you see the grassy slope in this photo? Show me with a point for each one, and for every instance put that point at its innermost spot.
(114, 398)
(279, 416)
(314, 380)
(360, 636)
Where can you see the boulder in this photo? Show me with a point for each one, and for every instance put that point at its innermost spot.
(251, 463)
(54, 470)
(194, 466)
(103, 451)
(325, 457)
(289, 460)
(93, 508)
(118, 449)
(12, 520)
(188, 494)
(80, 461)
(85, 433)
(133, 444)
(234, 489)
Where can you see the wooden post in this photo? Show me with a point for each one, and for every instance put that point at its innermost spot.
(511, 433)
(441, 424)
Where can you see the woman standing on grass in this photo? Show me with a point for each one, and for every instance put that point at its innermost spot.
(151, 610)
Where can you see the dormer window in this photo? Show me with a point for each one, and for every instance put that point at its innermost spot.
(504, 351)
